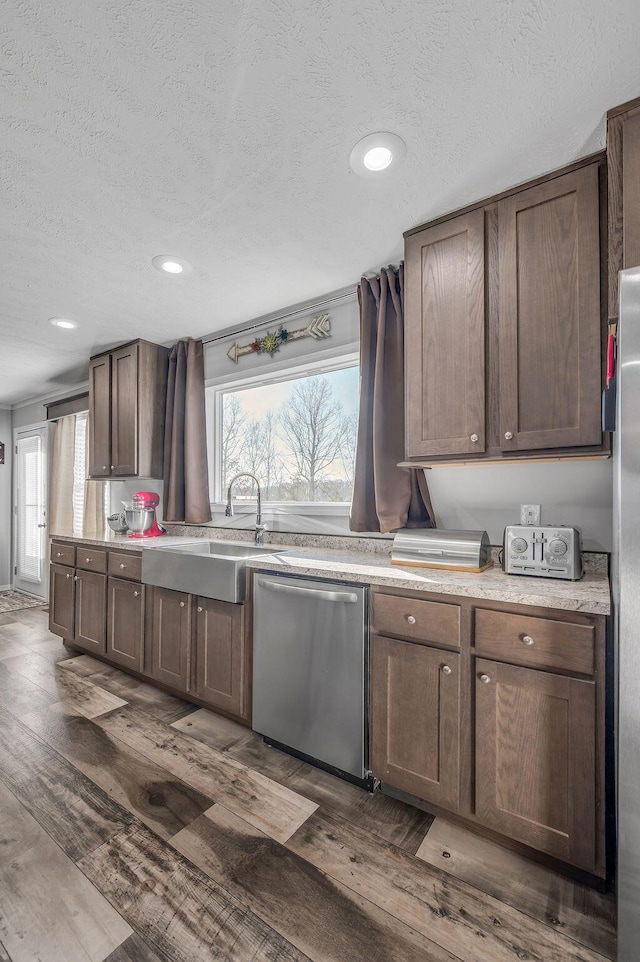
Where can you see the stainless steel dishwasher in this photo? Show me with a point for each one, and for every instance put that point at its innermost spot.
(309, 668)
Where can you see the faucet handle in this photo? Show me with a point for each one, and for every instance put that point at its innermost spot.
(260, 529)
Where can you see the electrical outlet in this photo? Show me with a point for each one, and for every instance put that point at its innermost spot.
(530, 514)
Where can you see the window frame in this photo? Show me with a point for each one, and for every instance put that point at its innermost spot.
(213, 401)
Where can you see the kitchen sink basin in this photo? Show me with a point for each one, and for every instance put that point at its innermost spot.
(212, 569)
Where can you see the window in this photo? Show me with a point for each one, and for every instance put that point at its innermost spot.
(297, 435)
(79, 473)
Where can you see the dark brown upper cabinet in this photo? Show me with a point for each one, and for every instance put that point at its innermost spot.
(623, 179)
(127, 398)
(550, 328)
(504, 331)
(445, 374)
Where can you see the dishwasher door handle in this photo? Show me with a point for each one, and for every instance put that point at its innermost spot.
(345, 597)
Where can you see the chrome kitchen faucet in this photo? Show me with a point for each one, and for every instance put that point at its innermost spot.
(259, 527)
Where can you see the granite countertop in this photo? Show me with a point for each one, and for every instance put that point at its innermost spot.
(590, 595)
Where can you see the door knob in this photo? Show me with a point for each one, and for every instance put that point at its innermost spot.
(508, 435)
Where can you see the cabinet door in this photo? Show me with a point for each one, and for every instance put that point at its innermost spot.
(91, 611)
(62, 593)
(550, 329)
(220, 666)
(100, 417)
(535, 759)
(125, 623)
(444, 338)
(124, 411)
(168, 637)
(415, 727)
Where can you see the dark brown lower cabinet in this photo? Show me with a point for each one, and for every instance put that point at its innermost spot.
(415, 726)
(220, 676)
(536, 759)
(168, 637)
(62, 601)
(125, 623)
(91, 611)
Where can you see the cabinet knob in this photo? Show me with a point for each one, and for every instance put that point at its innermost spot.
(123, 566)
(485, 679)
(199, 608)
(474, 438)
(87, 560)
(508, 435)
(411, 620)
(58, 554)
(68, 576)
(446, 670)
(104, 467)
(75, 577)
(527, 640)
(112, 466)
(182, 604)
(135, 594)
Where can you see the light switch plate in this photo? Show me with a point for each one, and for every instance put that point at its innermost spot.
(530, 514)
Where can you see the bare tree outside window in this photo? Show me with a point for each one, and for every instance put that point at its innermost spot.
(298, 437)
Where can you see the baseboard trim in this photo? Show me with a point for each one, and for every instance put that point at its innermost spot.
(6, 587)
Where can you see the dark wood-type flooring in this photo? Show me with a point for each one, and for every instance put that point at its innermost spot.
(137, 828)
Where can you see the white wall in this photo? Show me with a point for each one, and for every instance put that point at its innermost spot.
(6, 436)
(488, 497)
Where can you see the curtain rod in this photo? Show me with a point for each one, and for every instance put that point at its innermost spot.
(277, 318)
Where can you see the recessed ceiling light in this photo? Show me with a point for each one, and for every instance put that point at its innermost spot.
(169, 264)
(378, 154)
(63, 322)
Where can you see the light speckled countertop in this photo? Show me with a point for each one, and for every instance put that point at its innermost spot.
(590, 595)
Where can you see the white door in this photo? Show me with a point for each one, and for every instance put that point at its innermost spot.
(31, 511)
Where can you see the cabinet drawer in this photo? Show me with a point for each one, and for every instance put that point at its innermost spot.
(91, 559)
(539, 642)
(125, 564)
(63, 553)
(416, 619)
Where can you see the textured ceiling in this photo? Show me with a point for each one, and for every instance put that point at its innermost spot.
(221, 133)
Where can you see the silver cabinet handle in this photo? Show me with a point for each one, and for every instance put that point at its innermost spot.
(199, 608)
(68, 576)
(474, 438)
(527, 640)
(182, 604)
(87, 560)
(135, 594)
(347, 597)
(42, 526)
(122, 566)
(58, 554)
(75, 577)
(112, 467)
(485, 679)
(508, 435)
(104, 467)
(446, 670)
(410, 619)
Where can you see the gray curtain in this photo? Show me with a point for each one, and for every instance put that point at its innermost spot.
(385, 497)
(186, 481)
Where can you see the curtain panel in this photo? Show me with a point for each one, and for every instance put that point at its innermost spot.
(186, 481)
(385, 497)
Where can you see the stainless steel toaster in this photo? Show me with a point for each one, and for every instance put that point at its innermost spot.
(437, 548)
(544, 552)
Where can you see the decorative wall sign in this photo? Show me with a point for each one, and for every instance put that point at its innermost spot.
(318, 327)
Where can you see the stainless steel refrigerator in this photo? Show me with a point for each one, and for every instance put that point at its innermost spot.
(626, 596)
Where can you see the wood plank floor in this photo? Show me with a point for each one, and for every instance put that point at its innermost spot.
(136, 828)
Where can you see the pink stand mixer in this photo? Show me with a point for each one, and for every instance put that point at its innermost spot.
(141, 516)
